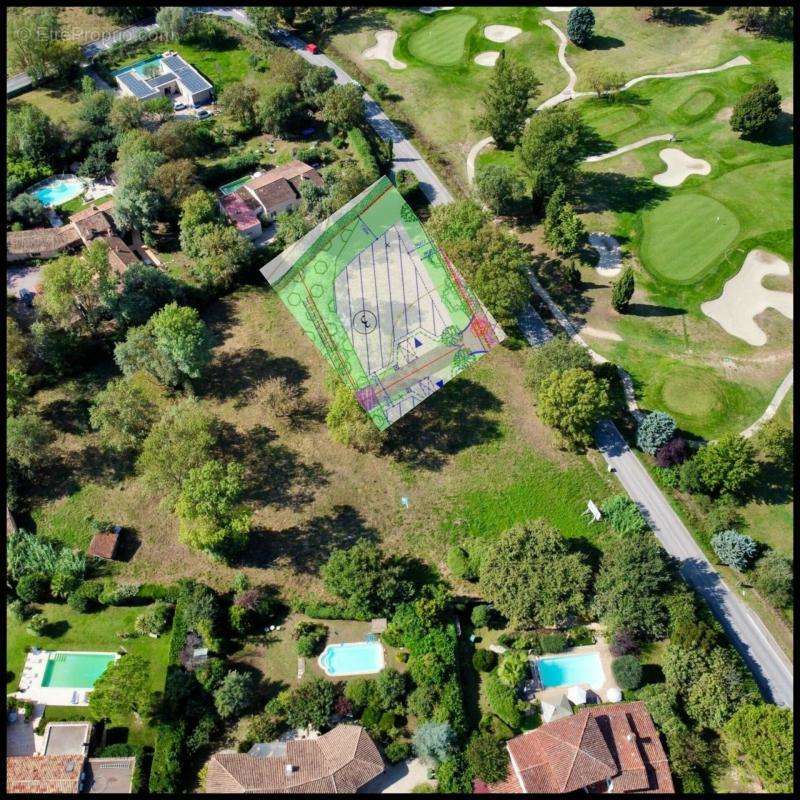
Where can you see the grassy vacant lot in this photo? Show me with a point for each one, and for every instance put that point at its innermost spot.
(439, 89)
(60, 104)
(474, 459)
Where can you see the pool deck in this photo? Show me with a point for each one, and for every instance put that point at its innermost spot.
(553, 694)
(30, 684)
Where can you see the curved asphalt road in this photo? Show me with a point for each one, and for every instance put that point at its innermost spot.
(770, 667)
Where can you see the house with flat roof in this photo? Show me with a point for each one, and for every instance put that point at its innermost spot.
(67, 738)
(340, 761)
(266, 195)
(169, 75)
(609, 748)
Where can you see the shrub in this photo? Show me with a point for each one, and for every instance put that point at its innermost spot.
(311, 704)
(757, 109)
(498, 187)
(623, 515)
(390, 689)
(488, 757)
(310, 638)
(481, 616)
(580, 636)
(154, 620)
(211, 673)
(459, 563)
(422, 701)
(527, 640)
(363, 153)
(19, 609)
(776, 443)
(484, 660)
(506, 640)
(654, 431)
(36, 624)
(627, 672)
(360, 692)
(64, 583)
(116, 594)
(580, 25)
(434, 741)
(669, 476)
(371, 717)
(202, 734)
(398, 751)
(774, 577)
(166, 770)
(734, 549)
(33, 588)
(623, 643)
(513, 668)
(407, 183)
(622, 290)
(673, 453)
(503, 701)
(235, 694)
(723, 516)
(553, 642)
(453, 776)
(388, 722)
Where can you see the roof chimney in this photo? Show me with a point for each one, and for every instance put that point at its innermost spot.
(631, 737)
(289, 769)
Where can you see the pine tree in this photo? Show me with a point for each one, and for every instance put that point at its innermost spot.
(622, 291)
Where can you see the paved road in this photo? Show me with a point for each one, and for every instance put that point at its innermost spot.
(406, 156)
(20, 81)
(770, 667)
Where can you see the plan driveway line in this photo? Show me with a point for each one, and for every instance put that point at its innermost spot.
(769, 665)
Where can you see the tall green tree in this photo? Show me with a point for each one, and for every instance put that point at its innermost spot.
(137, 202)
(173, 21)
(122, 415)
(174, 346)
(580, 25)
(757, 109)
(533, 578)
(181, 440)
(634, 577)
(238, 101)
(343, 107)
(553, 144)
(622, 291)
(212, 515)
(276, 108)
(573, 402)
(563, 229)
(506, 101)
(759, 738)
(555, 355)
(727, 466)
(498, 187)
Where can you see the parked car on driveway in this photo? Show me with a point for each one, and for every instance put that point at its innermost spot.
(203, 113)
(179, 105)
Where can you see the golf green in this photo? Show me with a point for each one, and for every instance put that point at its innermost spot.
(441, 42)
(685, 237)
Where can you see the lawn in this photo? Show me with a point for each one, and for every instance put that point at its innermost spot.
(442, 42)
(60, 104)
(474, 459)
(98, 631)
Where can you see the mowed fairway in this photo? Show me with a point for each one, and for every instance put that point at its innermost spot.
(686, 236)
(442, 42)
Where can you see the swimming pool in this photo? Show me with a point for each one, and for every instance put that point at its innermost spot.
(75, 670)
(571, 670)
(57, 190)
(352, 658)
(145, 68)
(230, 188)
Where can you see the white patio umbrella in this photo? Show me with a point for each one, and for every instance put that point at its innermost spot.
(577, 695)
(613, 695)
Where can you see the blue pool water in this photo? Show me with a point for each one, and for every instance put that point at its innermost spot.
(58, 191)
(571, 670)
(141, 68)
(353, 658)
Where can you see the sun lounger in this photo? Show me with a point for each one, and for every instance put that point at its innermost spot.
(74, 699)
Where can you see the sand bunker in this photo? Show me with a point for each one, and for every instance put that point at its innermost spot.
(679, 167)
(588, 330)
(743, 298)
(487, 59)
(724, 114)
(434, 9)
(610, 256)
(384, 49)
(559, 9)
(501, 33)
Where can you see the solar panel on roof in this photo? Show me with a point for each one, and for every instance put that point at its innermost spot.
(134, 84)
(187, 74)
(161, 80)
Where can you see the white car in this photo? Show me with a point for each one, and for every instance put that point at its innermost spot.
(178, 105)
(203, 113)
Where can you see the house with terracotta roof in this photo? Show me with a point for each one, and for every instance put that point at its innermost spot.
(69, 774)
(340, 761)
(609, 748)
(266, 195)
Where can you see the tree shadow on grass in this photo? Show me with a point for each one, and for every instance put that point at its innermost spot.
(684, 16)
(237, 374)
(612, 191)
(779, 133)
(775, 484)
(55, 630)
(306, 547)
(605, 43)
(448, 421)
(274, 474)
(69, 416)
(646, 310)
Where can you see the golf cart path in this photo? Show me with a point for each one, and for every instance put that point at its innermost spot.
(774, 405)
(569, 93)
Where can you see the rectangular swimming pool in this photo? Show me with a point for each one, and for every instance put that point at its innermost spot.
(352, 658)
(230, 188)
(144, 68)
(75, 670)
(571, 670)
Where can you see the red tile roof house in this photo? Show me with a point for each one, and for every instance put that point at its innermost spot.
(612, 748)
(340, 761)
(274, 192)
(68, 774)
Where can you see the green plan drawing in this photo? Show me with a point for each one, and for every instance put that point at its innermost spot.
(387, 309)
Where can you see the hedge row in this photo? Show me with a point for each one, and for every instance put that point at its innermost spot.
(364, 155)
